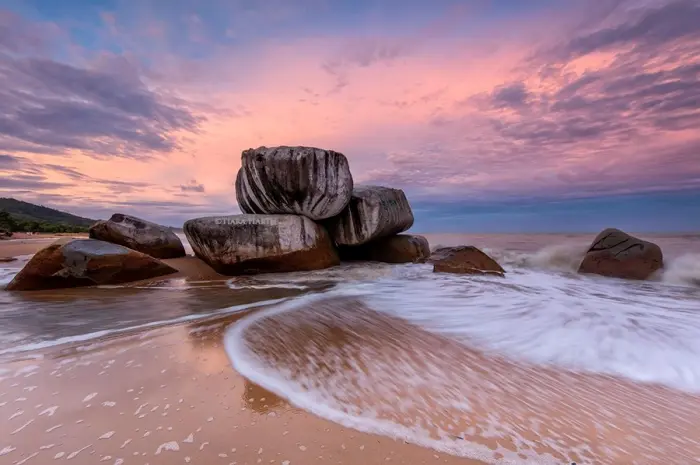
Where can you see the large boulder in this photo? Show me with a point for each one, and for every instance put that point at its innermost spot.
(251, 244)
(294, 180)
(614, 253)
(373, 212)
(140, 235)
(85, 262)
(403, 248)
(464, 259)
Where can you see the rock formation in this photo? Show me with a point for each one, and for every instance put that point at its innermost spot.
(373, 212)
(140, 235)
(85, 262)
(293, 180)
(403, 248)
(250, 244)
(465, 259)
(619, 255)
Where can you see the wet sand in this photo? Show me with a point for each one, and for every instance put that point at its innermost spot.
(165, 397)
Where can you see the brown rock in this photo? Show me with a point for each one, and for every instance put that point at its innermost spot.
(7, 259)
(617, 254)
(403, 248)
(85, 262)
(252, 244)
(464, 259)
(140, 235)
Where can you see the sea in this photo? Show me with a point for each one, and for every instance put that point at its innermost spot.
(386, 348)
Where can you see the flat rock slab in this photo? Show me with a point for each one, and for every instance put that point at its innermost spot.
(464, 259)
(616, 254)
(373, 212)
(7, 259)
(307, 181)
(403, 248)
(252, 244)
(70, 263)
(140, 235)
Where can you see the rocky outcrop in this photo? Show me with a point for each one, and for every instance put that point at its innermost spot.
(293, 180)
(465, 259)
(140, 235)
(251, 244)
(403, 248)
(373, 212)
(619, 255)
(85, 262)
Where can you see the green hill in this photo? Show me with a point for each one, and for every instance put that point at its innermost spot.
(16, 215)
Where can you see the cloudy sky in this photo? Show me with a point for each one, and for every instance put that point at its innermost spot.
(492, 115)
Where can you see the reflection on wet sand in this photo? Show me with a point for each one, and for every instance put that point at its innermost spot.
(167, 396)
(343, 361)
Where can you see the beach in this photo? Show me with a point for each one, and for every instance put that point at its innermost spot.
(364, 363)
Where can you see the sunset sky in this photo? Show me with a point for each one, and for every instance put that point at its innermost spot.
(493, 116)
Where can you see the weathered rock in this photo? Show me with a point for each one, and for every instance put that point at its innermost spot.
(373, 212)
(251, 244)
(403, 248)
(619, 255)
(140, 235)
(464, 259)
(7, 259)
(85, 262)
(294, 180)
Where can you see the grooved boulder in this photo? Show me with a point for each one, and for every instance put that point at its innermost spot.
(373, 212)
(617, 254)
(85, 262)
(293, 180)
(464, 259)
(251, 244)
(403, 248)
(140, 235)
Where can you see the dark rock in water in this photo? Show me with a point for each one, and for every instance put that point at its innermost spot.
(373, 212)
(403, 248)
(85, 262)
(293, 180)
(140, 235)
(7, 259)
(5, 234)
(617, 254)
(251, 244)
(464, 259)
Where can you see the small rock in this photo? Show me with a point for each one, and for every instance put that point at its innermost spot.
(616, 254)
(403, 248)
(464, 259)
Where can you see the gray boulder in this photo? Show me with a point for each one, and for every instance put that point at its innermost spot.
(85, 262)
(293, 180)
(614, 253)
(251, 244)
(403, 248)
(140, 235)
(373, 212)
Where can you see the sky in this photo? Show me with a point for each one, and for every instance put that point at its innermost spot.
(492, 116)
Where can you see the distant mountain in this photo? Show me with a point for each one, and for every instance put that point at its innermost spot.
(25, 216)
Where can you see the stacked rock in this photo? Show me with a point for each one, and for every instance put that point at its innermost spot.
(300, 207)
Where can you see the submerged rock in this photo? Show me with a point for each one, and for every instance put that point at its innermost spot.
(293, 180)
(251, 244)
(140, 235)
(85, 262)
(373, 212)
(614, 253)
(7, 259)
(464, 259)
(403, 248)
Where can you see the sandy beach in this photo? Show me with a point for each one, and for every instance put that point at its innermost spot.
(344, 383)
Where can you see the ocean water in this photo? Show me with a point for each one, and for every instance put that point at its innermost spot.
(437, 359)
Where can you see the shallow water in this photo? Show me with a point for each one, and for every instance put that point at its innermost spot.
(435, 358)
